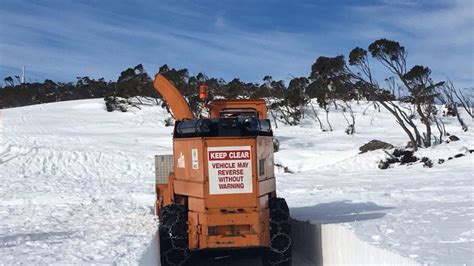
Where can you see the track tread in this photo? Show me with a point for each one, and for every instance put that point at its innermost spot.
(279, 252)
(174, 249)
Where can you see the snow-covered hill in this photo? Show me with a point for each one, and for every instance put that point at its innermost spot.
(77, 184)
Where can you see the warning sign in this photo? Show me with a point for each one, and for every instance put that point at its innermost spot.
(230, 170)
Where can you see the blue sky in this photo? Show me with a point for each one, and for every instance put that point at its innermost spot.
(64, 39)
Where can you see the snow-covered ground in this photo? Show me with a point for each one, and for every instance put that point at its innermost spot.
(77, 184)
(423, 213)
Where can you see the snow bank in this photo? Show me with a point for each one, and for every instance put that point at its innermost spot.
(331, 244)
(151, 256)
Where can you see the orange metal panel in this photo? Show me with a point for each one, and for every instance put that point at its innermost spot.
(191, 189)
(228, 210)
(232, 230)
(219, 105)
(264, 228)
(188, 161)
(232, 218)
(193, 237)
(232, 241)
(203, 222)
(196, 204)
(231, 200)
(162, 197)
(224, 212)
(204, 231)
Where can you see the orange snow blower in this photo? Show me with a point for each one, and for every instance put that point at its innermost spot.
(217, 190)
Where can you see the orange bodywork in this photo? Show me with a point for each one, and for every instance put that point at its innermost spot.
(220, 219)
(218, 106)
(229, 220)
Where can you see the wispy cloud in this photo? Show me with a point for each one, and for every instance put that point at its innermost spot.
(439, 35)
(61, 40)
(74, 43)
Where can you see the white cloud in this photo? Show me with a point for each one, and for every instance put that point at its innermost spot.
(440, 36)
(82, 39)
(76, 43)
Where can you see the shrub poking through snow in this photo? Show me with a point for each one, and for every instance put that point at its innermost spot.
(405, 156)
(386, 164)
(427, 162)
(408, 157)
(453, 138)
(459, 155)
(285, 168)
(383, 165)
(113, 103)
(375, 145)
(169, 122)
(350, 130)
(398, 156)
(449, 109)
(398, 152)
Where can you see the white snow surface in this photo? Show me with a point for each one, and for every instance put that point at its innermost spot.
(77, 184)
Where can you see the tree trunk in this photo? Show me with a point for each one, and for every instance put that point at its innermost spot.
(461, 121)
(402, 124)
(426, 120)
(327, 119)
(274, 119)
(316, 115)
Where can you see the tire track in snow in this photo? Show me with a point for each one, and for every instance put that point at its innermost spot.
(12, 152)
